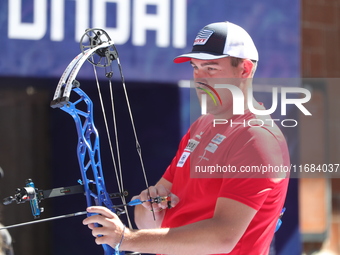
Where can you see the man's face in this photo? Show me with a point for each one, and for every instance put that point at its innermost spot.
(207, 73)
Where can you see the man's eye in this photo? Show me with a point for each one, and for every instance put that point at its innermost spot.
(211, 69)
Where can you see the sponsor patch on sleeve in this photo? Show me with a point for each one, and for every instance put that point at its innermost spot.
(184, 157)
(192, 144)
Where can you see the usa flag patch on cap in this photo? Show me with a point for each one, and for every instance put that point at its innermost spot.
(203, 36)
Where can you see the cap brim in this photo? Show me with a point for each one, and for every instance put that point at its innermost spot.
(199, 55)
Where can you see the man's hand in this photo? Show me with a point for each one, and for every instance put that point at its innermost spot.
(111, 228)
(216, 235)
(158, 190)
(143, 213)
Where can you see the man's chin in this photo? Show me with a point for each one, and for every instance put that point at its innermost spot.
(214, 111)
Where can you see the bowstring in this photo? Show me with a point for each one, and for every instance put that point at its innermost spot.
(118, 170)
(118, 151)
(119, 176)
(138, 147)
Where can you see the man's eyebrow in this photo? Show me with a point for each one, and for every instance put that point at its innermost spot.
(206, 63)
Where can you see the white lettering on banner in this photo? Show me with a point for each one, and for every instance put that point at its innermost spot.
(179, 19)
(82, 17)
(160, 22)
(121, 33)
(57, 24)
(24, 30)
(169, 14)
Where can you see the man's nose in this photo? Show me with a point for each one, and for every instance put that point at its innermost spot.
(198, 73)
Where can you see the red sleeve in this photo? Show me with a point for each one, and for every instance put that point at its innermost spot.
(170, 171)
(251, 192)
(254, 147)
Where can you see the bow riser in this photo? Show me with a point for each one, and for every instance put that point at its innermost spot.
(89, 156)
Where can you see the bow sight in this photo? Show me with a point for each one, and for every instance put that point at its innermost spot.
(27, 193)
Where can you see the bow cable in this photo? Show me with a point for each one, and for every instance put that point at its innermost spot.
(138, 147)
(106, 57)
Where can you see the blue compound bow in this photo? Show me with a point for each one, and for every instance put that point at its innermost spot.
(98, 49)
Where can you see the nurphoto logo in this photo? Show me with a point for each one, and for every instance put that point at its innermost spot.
(239, 102)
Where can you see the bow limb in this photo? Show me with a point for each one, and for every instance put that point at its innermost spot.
(64, 76)
(67, 79)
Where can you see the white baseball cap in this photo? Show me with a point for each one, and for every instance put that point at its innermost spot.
(219, 40)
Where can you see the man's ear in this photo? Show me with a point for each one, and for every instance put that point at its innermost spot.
(247, 66)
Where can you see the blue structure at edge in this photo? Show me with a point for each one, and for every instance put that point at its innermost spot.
(89, 149)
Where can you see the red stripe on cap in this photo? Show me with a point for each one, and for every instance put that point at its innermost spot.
(181, 60)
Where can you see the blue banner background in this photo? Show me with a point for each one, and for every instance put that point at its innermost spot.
(274, 26)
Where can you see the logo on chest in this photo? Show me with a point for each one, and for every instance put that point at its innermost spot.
(213, 145)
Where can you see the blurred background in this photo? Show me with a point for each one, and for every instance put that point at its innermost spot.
(298, 40)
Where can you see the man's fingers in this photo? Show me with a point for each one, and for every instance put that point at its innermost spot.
(105, 225)
(158, 191)
(100, 240)
(103, 231)
(152, 190)
(174, 200)
(102, 216)
(103, 240)
(93, 220)
(91, 226)
(101, 210)
(162, 191)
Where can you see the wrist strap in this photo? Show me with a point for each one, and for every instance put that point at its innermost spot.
(118, 244)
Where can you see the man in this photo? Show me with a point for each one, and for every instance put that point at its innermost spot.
(5, 242)
(5, 238)
(233, 211)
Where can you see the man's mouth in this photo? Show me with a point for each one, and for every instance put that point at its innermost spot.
(209, 90)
